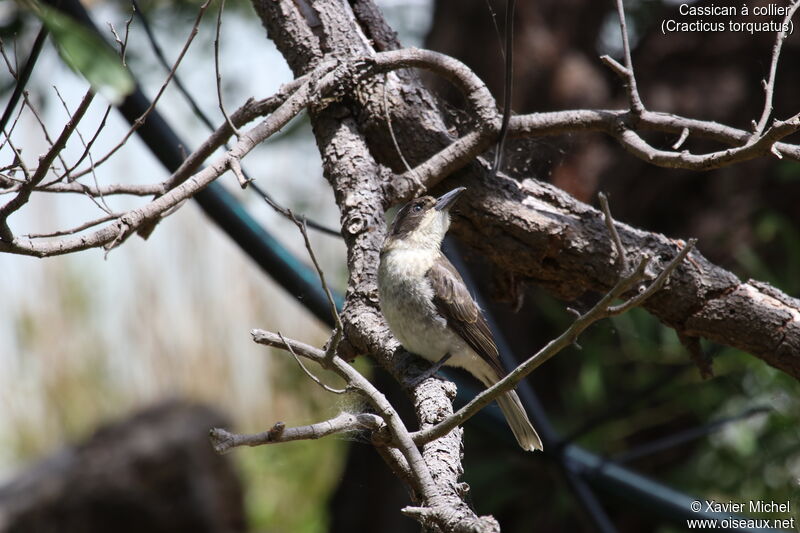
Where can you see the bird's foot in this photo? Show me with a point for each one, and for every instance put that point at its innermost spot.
(431, 372)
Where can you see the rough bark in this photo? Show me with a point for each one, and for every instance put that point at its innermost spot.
(541, 234)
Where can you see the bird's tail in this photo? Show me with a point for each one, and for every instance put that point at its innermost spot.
(518, 421)
(515, 414)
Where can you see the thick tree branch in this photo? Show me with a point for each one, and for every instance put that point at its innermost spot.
(541, 234)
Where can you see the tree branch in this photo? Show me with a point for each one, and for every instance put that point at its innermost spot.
(769, 85)
(224, 441)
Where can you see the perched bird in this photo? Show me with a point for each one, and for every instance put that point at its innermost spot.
(430, 310)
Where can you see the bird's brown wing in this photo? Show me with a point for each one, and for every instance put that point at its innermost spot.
(455, 304)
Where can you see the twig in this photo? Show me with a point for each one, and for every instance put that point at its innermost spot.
(391, 131)
(159, 53)
(130, 221)
(622, 257)
(27, 102)
(769, 86)
(614, 123)
(656, 285)
(123, 43)
(105, 190)
(633, 92)
(7, 134)
(302, 218)
(681, 139)
(308, 373)
(44, 164)
(18, 162)
(333, 344)
(102, 203)
(9, 65)
(236, 168)
(261, 108)
(219, 76)
(496, 28)
(139, 121)
(247, 112)
(77, 229)
(88, 146)
(224, 441)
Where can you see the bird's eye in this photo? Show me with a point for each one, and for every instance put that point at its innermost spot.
(416, 208)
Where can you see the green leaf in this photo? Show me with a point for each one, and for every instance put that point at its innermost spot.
(87, 54)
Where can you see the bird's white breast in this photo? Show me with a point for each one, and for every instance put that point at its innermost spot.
(406, 299)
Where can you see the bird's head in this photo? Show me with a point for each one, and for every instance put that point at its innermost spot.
(422, 222)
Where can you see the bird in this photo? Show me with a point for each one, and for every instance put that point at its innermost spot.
(430, 310)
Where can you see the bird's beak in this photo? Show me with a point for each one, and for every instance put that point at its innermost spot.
(446, 201)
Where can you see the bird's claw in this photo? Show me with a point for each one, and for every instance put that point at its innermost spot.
(429, 373)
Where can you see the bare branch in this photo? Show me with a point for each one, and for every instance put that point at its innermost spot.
(139, 121)
(216, 68)
(769, 85)
(224, 441)
(333, 344)
(308, 373)
(77, 229)
(480, 100)
(9, 65)
(249, 111)
(622, 257)
(112, 235)
(681, 139)
(88, 146)
(236, 168)
(656, 285)
(123, 43)
(44, 164)
(637, 108)
(105, 190)
(27, 102)
(18, 161)
(102, 203)
(615, 123)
